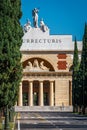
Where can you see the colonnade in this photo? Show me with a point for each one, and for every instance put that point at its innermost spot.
(41, 94)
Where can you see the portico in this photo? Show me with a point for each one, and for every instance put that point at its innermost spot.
(39, 89)
(42, 94)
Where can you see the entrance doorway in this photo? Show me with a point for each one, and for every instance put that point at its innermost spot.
(25, 99)
(46, 86)
(46, 102)
(35, 99)
(35, 92)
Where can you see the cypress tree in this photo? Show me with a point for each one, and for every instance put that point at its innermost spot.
(83, 70)
(74, 75)
(10, 41)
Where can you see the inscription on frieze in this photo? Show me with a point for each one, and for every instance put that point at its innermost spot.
(42, 40)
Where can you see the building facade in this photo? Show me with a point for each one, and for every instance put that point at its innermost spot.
(47, 68)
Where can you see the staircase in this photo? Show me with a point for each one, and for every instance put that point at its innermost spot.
(43, 108)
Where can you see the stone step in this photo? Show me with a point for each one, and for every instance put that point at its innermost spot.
(43, 108)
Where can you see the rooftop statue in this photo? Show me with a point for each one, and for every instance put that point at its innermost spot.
(43, 27)
(35, 17)
(27, 26)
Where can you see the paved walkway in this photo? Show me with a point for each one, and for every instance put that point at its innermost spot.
(51, 121)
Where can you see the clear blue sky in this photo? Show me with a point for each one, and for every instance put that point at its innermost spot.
(61, 16)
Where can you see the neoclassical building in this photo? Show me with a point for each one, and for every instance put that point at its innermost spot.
(47, 68)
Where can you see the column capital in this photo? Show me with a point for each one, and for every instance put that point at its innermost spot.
(41, 81)
(30, 81)
(51, 81)
(20, 83)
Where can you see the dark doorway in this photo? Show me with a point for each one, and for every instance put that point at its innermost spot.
(35, 99)
(46, 102)
(25, 99)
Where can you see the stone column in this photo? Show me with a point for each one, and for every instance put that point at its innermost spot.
(51, 102)
(41, 94)
(30, 93)
(20, 100)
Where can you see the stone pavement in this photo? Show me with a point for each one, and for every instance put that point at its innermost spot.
(52, 121)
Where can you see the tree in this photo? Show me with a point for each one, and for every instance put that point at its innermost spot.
(74, 75)
(10, 41)
(83, 70)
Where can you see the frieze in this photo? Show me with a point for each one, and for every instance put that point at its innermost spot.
(48, 74)
(42, 40)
